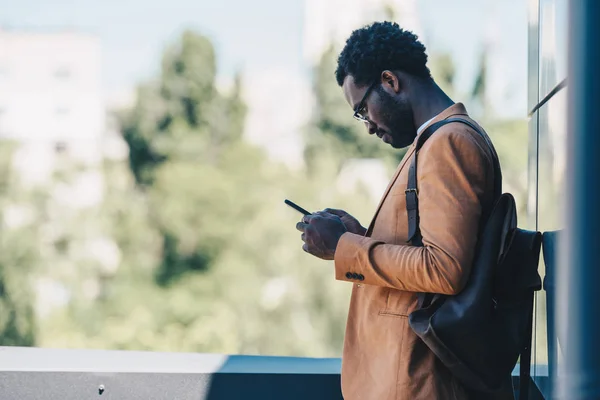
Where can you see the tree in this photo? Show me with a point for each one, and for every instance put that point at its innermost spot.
(18, 257)
(443, 71)
(182, 126)
(479, 91)
(211, 260)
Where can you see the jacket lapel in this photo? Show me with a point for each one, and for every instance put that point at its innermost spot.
(405, 159)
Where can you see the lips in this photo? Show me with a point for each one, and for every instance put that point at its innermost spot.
(383, 136)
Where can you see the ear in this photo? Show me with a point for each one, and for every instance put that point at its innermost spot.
(390, 81)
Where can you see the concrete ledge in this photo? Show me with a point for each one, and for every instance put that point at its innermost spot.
(53, 374)
(57, 360)
(167, 386)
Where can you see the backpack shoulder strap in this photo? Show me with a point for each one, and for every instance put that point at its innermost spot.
(412, 197)
(414, 236)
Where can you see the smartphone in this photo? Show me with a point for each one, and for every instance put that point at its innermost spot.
(296, 207)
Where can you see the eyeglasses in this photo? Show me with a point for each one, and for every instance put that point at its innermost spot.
(359, 111)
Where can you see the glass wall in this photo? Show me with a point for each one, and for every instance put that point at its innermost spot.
(547, 130)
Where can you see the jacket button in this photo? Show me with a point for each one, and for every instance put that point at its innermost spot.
(349, 275)
(361, 277)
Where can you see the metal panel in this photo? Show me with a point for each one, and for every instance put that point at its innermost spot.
(579, 272)
(532, 175)
(550, 199)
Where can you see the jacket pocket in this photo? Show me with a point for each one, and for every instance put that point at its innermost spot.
(399, 303)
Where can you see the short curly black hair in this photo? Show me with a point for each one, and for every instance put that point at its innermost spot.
(378, 47)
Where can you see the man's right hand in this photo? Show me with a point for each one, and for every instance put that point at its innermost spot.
(351, 223)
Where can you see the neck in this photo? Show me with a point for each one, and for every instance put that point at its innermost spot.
(428, 101)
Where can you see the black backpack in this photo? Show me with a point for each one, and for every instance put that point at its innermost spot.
(480, 332)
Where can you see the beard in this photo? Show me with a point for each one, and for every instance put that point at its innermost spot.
(397, 116)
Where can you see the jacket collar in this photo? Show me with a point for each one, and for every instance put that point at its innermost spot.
(455, 109)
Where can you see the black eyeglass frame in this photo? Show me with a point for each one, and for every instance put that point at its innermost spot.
(357, 111)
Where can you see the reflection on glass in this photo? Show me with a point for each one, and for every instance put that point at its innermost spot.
(533, 61)
(551, 172)
(552, 44)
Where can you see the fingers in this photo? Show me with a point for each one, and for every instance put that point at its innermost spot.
(301, 226)
(335, 211)
(307, 219)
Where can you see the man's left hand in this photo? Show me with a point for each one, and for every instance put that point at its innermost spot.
(321, 233)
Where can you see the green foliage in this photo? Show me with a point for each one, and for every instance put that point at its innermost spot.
(211, 260)
(479, 101)
(260, 293)
(183, 116)
(17, 319)
(443, 72)
(18, 258)
(182, 133)
(510, 139)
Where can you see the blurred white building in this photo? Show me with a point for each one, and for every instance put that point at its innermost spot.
(279, 106)
(51, 104)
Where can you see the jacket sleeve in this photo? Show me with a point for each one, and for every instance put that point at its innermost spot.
(452, 173)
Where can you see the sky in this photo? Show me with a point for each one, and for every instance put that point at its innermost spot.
(250, 34)
(260, 34)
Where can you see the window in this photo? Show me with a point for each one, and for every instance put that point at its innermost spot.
(63, 73)
(62, 111)
(547, 67)
(61, 147)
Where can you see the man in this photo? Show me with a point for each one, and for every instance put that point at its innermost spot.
(383, 74)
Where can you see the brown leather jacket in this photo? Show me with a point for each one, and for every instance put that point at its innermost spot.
(383, 359)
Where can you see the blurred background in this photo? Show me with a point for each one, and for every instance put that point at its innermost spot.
(147, 148)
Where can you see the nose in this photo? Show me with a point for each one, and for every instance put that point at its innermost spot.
(371, 127)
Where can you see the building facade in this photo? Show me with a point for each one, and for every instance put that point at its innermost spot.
(50, 100)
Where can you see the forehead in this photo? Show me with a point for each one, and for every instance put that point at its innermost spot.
(353, 93)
